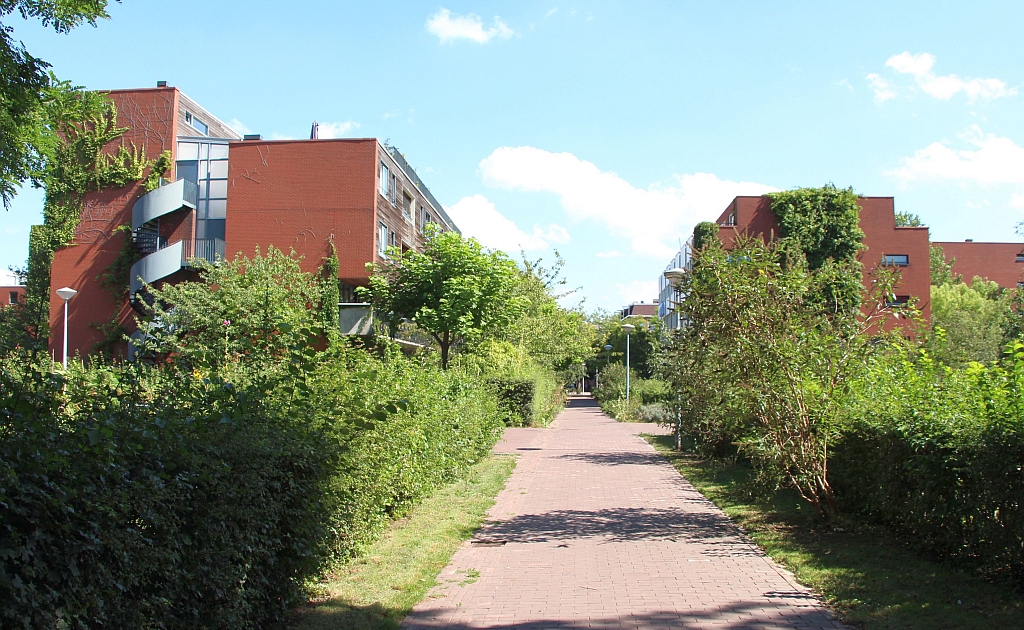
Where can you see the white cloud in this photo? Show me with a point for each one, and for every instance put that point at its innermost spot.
(637, 291)
(449, 27)
(328, 130)
(612, 253)
(477, 217)
(650, 220)
(238, 127)
(551, 12)
(883, 89)
(944, 87)
(993, 160)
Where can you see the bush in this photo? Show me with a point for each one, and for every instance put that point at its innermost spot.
(937, 455)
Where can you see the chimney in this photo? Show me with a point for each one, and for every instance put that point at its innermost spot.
(314, 132)
(161, 83)
(252, 136)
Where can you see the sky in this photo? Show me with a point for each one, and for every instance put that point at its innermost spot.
(602, 130)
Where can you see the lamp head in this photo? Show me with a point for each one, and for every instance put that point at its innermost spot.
(628, 328)
(66, 293)
(608, 346)
(674, 275)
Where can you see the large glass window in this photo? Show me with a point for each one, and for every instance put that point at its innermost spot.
(206, 164)
(385, 178)
(382, 239)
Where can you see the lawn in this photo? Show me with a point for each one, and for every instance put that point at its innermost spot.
(377, 590)
(869, 579)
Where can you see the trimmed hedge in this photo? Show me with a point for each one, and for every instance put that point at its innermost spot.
(143, 497)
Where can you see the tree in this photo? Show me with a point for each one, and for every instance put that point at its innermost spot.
(760, 364)
(25, 86)
(455, 290)
(908, 219)
(970, 322)
(941, 271)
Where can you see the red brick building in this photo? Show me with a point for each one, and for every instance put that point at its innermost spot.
(886, 243)
(1002, 263)
(11, 292)
(227, 195)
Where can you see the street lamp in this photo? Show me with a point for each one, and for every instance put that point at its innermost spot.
(66, 294)
(674, 277)
(628, 328)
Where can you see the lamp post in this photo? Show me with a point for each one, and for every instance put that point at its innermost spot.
(628, 328)
(66, 294)
(674, 277)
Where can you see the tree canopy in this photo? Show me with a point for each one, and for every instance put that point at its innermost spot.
(455, 290)
(26, 86)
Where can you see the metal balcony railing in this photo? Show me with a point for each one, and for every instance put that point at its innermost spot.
(209, 249)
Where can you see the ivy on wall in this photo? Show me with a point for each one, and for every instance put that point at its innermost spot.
(83, 124)
(704, 233)
(823, 226)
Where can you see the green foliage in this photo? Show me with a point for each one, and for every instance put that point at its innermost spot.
(160, 166)
(823, 225)
(823, 222)
(115, 278)
(935, 453)
(255, 309)
(705, 233)
(25, 126)
(330, 293)
(908, 219)
(74, 161)
(209, 487)
(941, 271)
(762, 365)
(971, 322)
(454, 290)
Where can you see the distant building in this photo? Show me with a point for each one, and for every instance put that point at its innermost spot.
(229, 194)
(668, 297)
(11, 291)
(640, 309)
(885, 242)
(1002, 263)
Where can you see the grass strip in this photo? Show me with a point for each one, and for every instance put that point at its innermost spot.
(868, 579)
(378, 589)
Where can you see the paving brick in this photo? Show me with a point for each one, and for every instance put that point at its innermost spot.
(594, 529)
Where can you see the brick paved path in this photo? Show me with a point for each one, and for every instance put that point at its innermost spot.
(595, 530)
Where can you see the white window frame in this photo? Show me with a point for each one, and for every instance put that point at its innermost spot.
(382, 239)
(385, 178)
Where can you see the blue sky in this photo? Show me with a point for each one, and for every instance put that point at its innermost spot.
(602, 129)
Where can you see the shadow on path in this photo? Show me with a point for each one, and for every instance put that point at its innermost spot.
(745, 615)
(615, 459)
(576, 402)
(620, 525)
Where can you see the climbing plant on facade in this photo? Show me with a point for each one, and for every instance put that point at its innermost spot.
(75, 161)
(823, 226)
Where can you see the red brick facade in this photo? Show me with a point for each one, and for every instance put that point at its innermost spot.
(752, 216)
(299, 195)
(1002, 263)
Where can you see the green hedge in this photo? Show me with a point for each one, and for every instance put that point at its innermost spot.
(142, 497)
(937, 455)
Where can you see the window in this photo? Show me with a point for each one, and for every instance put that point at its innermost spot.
(382, 239)
(199, 125)
(896, 260)
(13, 298)
(896, 300)
(407, 204)
(1020, 257)
(385, 178)
(731, 220)
(394, 189)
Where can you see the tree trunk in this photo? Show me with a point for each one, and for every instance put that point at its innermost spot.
(446, 342)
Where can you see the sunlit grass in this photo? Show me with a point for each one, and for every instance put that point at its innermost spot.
(378, 589)
(868, 579)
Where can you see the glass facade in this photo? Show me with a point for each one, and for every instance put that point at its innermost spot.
(205, 162)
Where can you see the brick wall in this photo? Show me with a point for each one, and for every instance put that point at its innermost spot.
(150, 115)
(997, 262)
